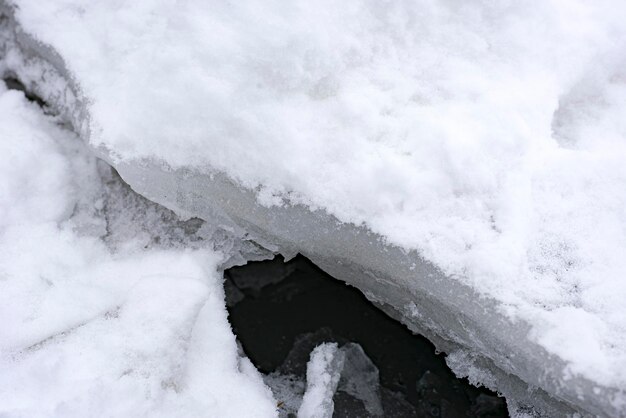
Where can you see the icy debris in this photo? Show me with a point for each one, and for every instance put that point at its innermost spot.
(288, 390)
(347, 369)
(359, 378)
(99, 317)
(322, 377)
(463, 364)
(467, 158)
(357, 393)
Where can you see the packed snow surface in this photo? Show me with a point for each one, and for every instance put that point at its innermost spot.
(488, 136)
(96, 319)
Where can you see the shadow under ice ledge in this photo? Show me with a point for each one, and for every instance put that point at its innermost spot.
(281, 311)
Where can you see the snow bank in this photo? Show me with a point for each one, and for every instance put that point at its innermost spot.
(90, 329)
(481, 144)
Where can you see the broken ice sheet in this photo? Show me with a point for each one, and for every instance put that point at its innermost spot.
(346, 368)
(311, 369)
(359, 378)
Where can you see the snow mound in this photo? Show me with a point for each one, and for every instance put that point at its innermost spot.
(93, 324)
(460, 163)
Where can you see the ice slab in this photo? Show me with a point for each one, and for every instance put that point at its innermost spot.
(103, 313)
(461, 164)
(359, 378)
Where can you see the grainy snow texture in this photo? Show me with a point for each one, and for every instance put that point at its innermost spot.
(97, 318)
(489, 137)
(322, 377)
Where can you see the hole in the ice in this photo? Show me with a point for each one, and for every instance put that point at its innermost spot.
(281, 311)
(14, 83)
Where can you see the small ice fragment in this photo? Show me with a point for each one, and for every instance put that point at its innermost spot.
(323, 373)
(359, 378)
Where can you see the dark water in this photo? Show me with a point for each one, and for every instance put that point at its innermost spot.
(13, 83)
(274, 304)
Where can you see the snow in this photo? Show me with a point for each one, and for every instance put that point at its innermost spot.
(488, 137)
(322, 377)
(94, 323)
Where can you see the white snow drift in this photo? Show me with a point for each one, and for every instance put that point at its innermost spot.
(88, 331)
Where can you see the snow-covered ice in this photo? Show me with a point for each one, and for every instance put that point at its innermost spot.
(322, 377)
(460, 162)
(330, 369)
(93, 323)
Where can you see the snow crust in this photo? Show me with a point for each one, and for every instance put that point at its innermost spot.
(488, 137)
(100, 318)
